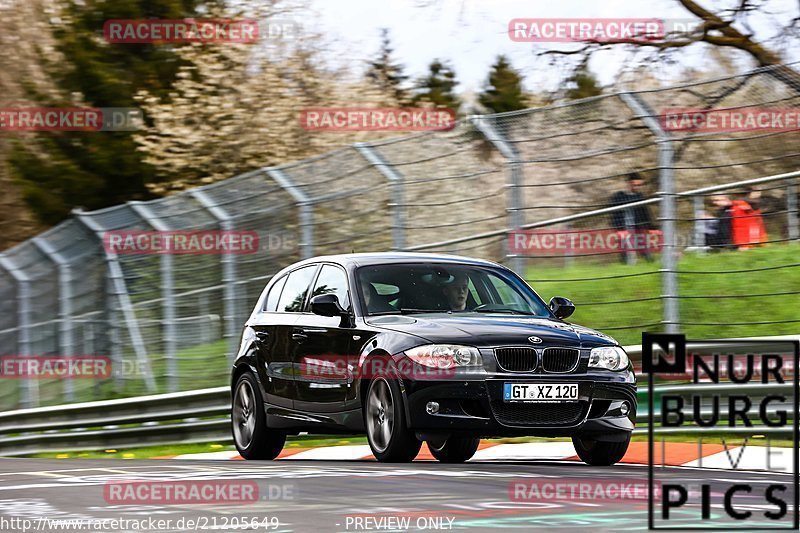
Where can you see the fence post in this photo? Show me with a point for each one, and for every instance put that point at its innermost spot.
(304, 205)
(119, 293)
(666, 186)
(65, 326)
(396, 180)
(791, 209)
(516, 219)
(167, 296)
(630, 226)
(28, 396)
(229, 282)
(699, 234)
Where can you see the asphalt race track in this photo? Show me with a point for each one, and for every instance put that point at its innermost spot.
(332, 496)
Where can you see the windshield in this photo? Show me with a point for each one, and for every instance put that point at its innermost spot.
(432, 288)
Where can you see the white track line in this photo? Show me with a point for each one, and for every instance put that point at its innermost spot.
(526, 450)
(334, 453)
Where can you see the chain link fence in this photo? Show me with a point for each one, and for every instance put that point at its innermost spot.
(495, 187)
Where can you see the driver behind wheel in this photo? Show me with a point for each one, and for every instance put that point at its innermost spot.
(456, 290)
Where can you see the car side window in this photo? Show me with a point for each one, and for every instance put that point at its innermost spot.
(274, 295)
(294, 292)
(333, 280)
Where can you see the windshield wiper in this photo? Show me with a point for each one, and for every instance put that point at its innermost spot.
(406, 311)
(411, 311)
(504, 310)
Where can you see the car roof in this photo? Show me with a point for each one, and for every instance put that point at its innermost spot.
(388, 258)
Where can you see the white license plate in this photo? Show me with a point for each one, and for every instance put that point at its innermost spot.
(540, 392)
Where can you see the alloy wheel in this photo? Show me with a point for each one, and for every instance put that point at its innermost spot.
(380, 414)
(244, 416)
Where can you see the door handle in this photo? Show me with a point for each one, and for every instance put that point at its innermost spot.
(262, 336)
(299, 336)
(314, 330)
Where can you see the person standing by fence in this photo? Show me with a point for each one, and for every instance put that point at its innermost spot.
(634, 219)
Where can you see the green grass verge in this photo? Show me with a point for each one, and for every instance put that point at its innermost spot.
(735, 317)
(198, 367)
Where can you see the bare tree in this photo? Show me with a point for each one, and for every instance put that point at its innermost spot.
(729, 28)
(238, 107)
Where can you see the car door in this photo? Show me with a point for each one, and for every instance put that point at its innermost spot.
(265, 325)
(322, 350)
(273, 329)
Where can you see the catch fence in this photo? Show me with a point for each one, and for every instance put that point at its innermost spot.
(171, 322)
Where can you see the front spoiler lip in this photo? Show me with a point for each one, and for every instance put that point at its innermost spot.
(593, 427)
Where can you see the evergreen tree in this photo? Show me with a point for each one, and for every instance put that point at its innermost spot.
(62, 170)
(437, 87)
(582, 84)
(387, 74)
(503, 91)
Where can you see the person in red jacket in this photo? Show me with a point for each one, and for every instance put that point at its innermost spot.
(747, 224)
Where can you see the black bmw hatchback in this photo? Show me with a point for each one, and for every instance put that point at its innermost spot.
(424, 347)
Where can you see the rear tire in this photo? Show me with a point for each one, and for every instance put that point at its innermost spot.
(600, 453)
(253, 439)
(455, 449)
(384, 418)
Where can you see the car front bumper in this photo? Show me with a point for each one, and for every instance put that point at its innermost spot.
(476, 407)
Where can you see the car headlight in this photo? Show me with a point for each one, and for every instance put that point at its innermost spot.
(445, 355)
(608, 357)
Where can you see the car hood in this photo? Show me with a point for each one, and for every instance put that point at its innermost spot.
(492, 330)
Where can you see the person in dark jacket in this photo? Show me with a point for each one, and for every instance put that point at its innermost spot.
(719, 229)
(633, 219)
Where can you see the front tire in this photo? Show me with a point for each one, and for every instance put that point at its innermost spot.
(389, 437)
(600, 453)
(253, 439)
(455, 449)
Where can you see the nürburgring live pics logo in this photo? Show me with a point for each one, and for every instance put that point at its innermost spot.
(738, 388)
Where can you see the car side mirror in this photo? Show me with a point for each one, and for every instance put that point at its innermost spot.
(327, 305)
(561, 307)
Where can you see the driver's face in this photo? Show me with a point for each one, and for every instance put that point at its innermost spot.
(457, 295)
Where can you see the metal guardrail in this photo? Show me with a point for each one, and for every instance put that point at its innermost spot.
(204, 416)
(174, 418)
